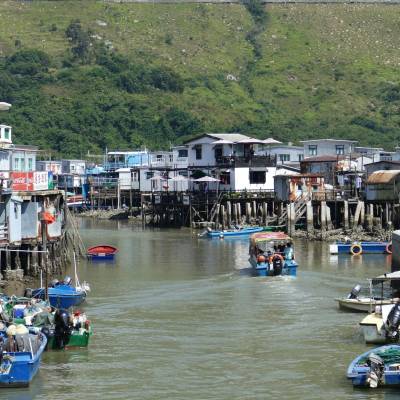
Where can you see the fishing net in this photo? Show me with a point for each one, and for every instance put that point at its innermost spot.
(389, 355)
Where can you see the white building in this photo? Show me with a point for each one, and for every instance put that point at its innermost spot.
(50, 166)
(74, 167)
(286, 154)
(332, 147)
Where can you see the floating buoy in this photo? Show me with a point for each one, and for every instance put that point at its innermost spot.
(389, 248)
(356, 249)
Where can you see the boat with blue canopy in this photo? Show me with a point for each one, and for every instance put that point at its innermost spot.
(20, 355)
(358, 248)
(237, 232)
(376, 367)
(272, 254)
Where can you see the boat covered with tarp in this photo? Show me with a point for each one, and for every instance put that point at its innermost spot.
(272, 254)
(376, 367)
(102, 252)
(20, 355)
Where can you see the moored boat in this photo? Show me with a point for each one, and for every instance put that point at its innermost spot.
(20, 356)
(271, 254)
(246, 231)
(358, 248)
(102, 252)
(376, 367)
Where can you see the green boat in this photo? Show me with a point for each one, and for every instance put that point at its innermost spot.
(77, 339)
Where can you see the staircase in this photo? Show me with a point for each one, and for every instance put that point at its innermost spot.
(300, 208)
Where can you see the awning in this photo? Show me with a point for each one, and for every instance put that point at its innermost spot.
(383, 176)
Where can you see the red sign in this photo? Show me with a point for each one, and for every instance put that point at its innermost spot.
(22, 181)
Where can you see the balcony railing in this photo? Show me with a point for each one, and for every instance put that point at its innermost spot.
(247, 161)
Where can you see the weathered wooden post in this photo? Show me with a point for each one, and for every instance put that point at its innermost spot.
(310, 218)
(328, 218)
(265, 212)
(239, 213)
(248, 212)
(323, 216)
(346, 215)
(222, 216)
(254, 209)
(229, 213)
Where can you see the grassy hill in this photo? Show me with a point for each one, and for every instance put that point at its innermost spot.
(154, 74)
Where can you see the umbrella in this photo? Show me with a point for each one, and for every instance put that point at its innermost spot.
(4, 106)
(207, 179)
(271, 140)
(250, 141)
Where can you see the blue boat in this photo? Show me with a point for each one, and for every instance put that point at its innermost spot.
(18, 368)
(271, 254)
(62, 294)
(358, 248)
(376, 367)
(102, 252)
(234, 232)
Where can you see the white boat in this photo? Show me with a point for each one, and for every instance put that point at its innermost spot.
(363, 304)
(383, 325)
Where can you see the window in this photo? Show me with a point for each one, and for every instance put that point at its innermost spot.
(301, 157)
(30, 164)
(149, 175)
(257, 177)
(22, 164)
(225, 178)
(339, 149)
(312, 150)
(16, 164)
(284, 157)
(218, 152)
(198, 153)
(182, 153)
(72, 167)
(7, 133)
(159, 157)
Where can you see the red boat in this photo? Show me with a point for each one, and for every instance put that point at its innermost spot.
(102, 251)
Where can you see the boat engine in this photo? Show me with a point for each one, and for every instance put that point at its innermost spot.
(392, 323)
(62, 330)
(376, 369)
(46, 332)
(278, 265)
(354, 292)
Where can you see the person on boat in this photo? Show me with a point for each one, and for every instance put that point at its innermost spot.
(288, 252)
(10, 345)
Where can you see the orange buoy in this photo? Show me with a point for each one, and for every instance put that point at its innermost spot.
(261, 259)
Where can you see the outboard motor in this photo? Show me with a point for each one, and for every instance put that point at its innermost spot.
(54, 282)
(354, 292)
(392, 323)
(67, 280)
(376, 369)
(46, 332)
(62, 330)
(277, 263)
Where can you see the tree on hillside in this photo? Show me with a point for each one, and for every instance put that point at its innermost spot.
(80, 40)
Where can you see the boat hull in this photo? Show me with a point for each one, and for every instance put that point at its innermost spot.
(23, 368)
(61, 299)
(362, 304)
(367, 248)
(234, 233)
(265, 269)
(76, 340)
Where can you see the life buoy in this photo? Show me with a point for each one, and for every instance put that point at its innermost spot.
(274, 256)
(389, 248)
(356, 249)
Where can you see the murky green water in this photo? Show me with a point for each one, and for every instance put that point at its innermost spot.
(173, 320)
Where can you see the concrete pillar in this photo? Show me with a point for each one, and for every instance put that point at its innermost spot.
(346, 215)
(254, 209)
(357, 214)
(369, 216)
(362, 215)
(328, 218)
(223, 216)
(310, 217)
(238, 213)
(217, 216)
(323, 215)
(248, 212)
(291, 218)
(265, 213)
(229, 213)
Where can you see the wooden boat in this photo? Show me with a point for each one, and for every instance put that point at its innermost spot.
(18, 368)
(266, 259)
(102, 252)
(358, 248)
(234, 232)
(376, 367)
(363, 304)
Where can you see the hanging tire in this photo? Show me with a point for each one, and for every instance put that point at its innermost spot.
(389, 248)
(356, 249)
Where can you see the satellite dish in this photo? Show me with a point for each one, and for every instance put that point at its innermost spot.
(4, 106)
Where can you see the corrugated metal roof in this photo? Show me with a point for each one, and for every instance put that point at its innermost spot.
(233, 137)
(383, 176)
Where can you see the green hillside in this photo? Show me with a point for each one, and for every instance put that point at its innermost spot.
(129, 75)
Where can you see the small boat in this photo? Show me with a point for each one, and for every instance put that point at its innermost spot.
(20, 356)
(381, 292)
(102, 252)
(358, 248)
(376, 367)
(382, 326)
(271, 254)
(62, 294)
(246, 231)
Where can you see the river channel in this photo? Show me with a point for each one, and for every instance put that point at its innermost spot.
(174, 320)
